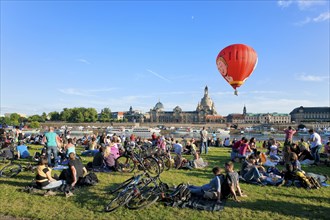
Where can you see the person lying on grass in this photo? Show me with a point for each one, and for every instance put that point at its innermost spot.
(22, 151)
(233, 181)
(213, 186)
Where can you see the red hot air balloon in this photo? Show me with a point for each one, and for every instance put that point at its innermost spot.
(236, 63)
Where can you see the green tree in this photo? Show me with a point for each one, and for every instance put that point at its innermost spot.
(80, 117)
(34, 124)
(36, 118)
(92, 114)
(66, 114)
(105, 115)
(54, 116)
(44, 116)
(5, 120)
(14, 119)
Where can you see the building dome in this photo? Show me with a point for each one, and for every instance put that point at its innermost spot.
(159, 106)
(177, 109)
(206, 105)
(206, 102)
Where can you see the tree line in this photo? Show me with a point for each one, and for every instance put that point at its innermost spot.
(75, 115)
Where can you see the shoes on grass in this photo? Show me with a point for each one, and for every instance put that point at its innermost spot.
(50, 193)
(68, 194)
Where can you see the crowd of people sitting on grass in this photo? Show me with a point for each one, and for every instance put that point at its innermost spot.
(263, 167)
(257, 166)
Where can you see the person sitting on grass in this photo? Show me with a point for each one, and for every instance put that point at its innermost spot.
(22, 151)
(304, 151)
(273, 153)
(244, 149)
(213, 186)
(233, 181)
(44, 179)
(73, 174)
(98, 162)
(294, 171)
(191, 149)
(70, 147)
(250, 171)
(109, 159)
(92, 148)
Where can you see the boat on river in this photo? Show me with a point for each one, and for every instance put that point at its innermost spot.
(143, 132)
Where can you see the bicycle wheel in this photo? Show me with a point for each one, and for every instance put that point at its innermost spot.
(151, 166)
(125, 164)
(122, 185)
(120, 200)
(145, 197)
(160, 163)
(167, 162)
(11, 170)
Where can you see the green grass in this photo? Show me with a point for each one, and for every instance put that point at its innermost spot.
(262, 202)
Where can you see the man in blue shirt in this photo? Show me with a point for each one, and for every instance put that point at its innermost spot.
(22, 151)
(214, 185)
(52, 141)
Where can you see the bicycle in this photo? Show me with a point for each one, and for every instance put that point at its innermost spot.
(165, 158)
(130, 190)
(130, 160)
(152, 190)
(13, 169)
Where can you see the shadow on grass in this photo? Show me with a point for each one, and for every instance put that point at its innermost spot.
(287, 208)
(200, 173)
(19, 179)
(317, 198)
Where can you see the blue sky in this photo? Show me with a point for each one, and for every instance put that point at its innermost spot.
(126, 53)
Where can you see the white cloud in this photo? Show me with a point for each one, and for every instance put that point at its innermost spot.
(85, 92)
(158, 75)
(83, 61)
(102, 90)
(284, 3)
(311, 78)
(72, 91)
(302, 4)
(325, 16)
(322, 17)
(301, 23)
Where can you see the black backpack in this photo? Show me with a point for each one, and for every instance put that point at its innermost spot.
(180, 195)
(89, 180)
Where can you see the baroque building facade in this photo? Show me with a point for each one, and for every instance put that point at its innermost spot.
(259, 118)
(205, 113)
(310, 114)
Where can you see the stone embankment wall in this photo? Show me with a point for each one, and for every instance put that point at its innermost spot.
(207, 125)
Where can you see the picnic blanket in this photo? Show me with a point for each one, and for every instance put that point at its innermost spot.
(200, 203)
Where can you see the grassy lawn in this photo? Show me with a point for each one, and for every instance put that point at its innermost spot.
(262, 202)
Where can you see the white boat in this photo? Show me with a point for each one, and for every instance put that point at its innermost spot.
(115, 130)
(220, 133)
(143, 132)
(184, 132)
(80, 134)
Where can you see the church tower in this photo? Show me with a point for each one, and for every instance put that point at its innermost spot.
(244, 110)
(206, 91)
